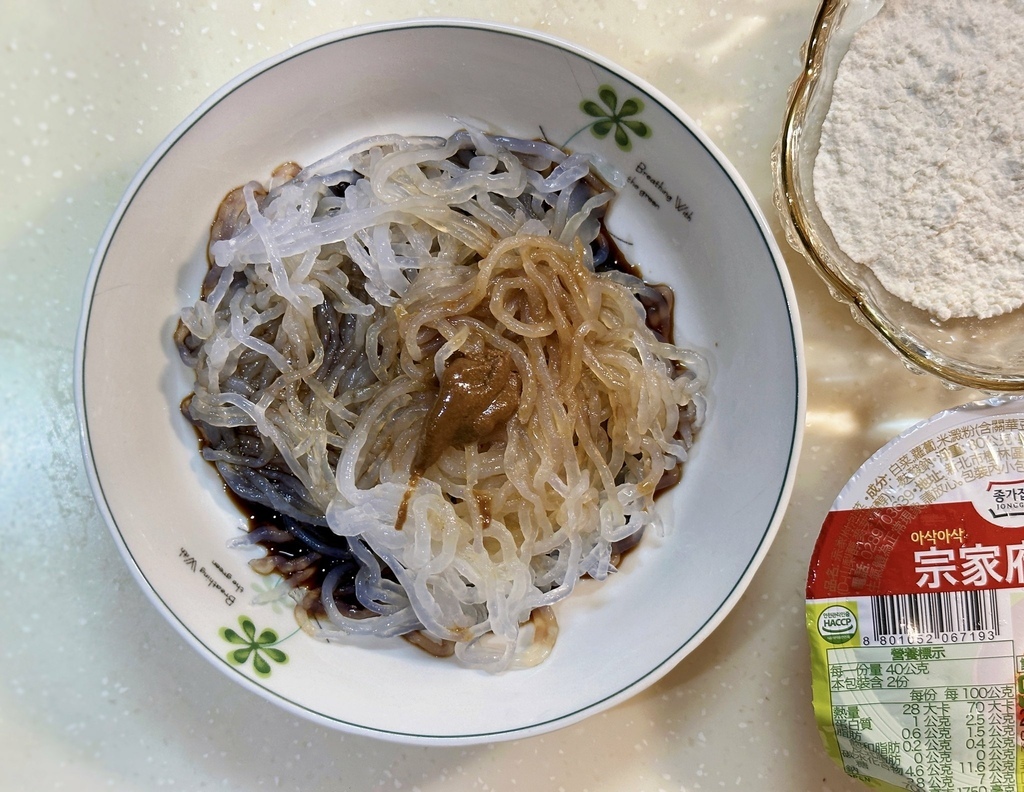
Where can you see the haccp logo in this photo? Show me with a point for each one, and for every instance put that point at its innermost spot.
(837, 624)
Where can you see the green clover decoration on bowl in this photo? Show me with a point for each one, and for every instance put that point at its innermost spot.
(260, 648)
(610, 115)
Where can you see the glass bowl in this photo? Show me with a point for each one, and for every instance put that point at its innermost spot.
(987, 354)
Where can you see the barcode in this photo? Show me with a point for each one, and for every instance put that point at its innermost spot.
(935, 613)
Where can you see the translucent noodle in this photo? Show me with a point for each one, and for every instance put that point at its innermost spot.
(408, 353)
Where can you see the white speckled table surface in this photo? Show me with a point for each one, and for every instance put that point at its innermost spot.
(97, 691)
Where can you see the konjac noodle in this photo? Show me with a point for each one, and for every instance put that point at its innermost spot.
(413, 356)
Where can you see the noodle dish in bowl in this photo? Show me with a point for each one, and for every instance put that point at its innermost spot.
(495, 402)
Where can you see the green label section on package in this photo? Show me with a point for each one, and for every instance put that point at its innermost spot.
(924, 717)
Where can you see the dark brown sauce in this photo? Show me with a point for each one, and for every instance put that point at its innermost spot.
(302, 566)
(424, 641)
(309, 576)
(659, 307)
(615, 260)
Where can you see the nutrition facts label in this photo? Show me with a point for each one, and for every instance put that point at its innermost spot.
(939, 718)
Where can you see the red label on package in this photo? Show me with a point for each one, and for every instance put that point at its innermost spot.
(916, 548)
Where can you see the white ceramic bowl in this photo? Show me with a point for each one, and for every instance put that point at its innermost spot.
(691, 223)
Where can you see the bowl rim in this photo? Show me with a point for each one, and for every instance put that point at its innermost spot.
(792, 208)
(787, 290)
